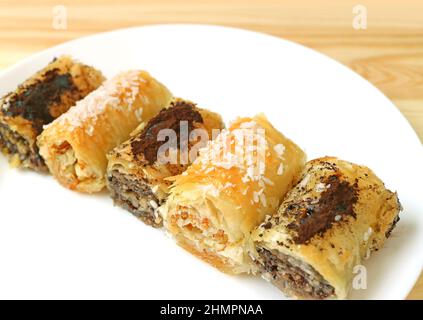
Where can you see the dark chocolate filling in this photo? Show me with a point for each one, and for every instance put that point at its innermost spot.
(335, 203)
(9, 141)
(294, 277)
(33, 103)
(146, 142)
(123, 187)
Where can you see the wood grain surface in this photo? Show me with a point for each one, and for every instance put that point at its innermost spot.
(389, 53)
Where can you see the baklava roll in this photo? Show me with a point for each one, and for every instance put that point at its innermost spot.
(75, 145)
(138, 169)
(327, 224)
(38, 101)
(238, 179)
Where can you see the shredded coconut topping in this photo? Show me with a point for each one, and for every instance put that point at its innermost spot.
(320, 187)
(280, 170)
(6, 104)
(279, 149)
(154, 204)
(367, 234)
(118, 92)
(240, 151)
(304, 181)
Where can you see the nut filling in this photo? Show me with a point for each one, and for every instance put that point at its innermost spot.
(293, 276)
(136, 197)
(19, 150)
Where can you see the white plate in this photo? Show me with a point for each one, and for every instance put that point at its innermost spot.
(55, 243)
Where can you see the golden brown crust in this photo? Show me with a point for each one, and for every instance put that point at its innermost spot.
(208, 257)
(215, 205)
(137, 180)
(75, 145)
(334, 217)
(37, 102)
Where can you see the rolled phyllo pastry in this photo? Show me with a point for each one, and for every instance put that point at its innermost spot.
(38, 101)
(138, 169)
(75, 145)
(336, 215)
(238, 179)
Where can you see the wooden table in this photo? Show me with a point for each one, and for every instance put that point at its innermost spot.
(389, 53)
